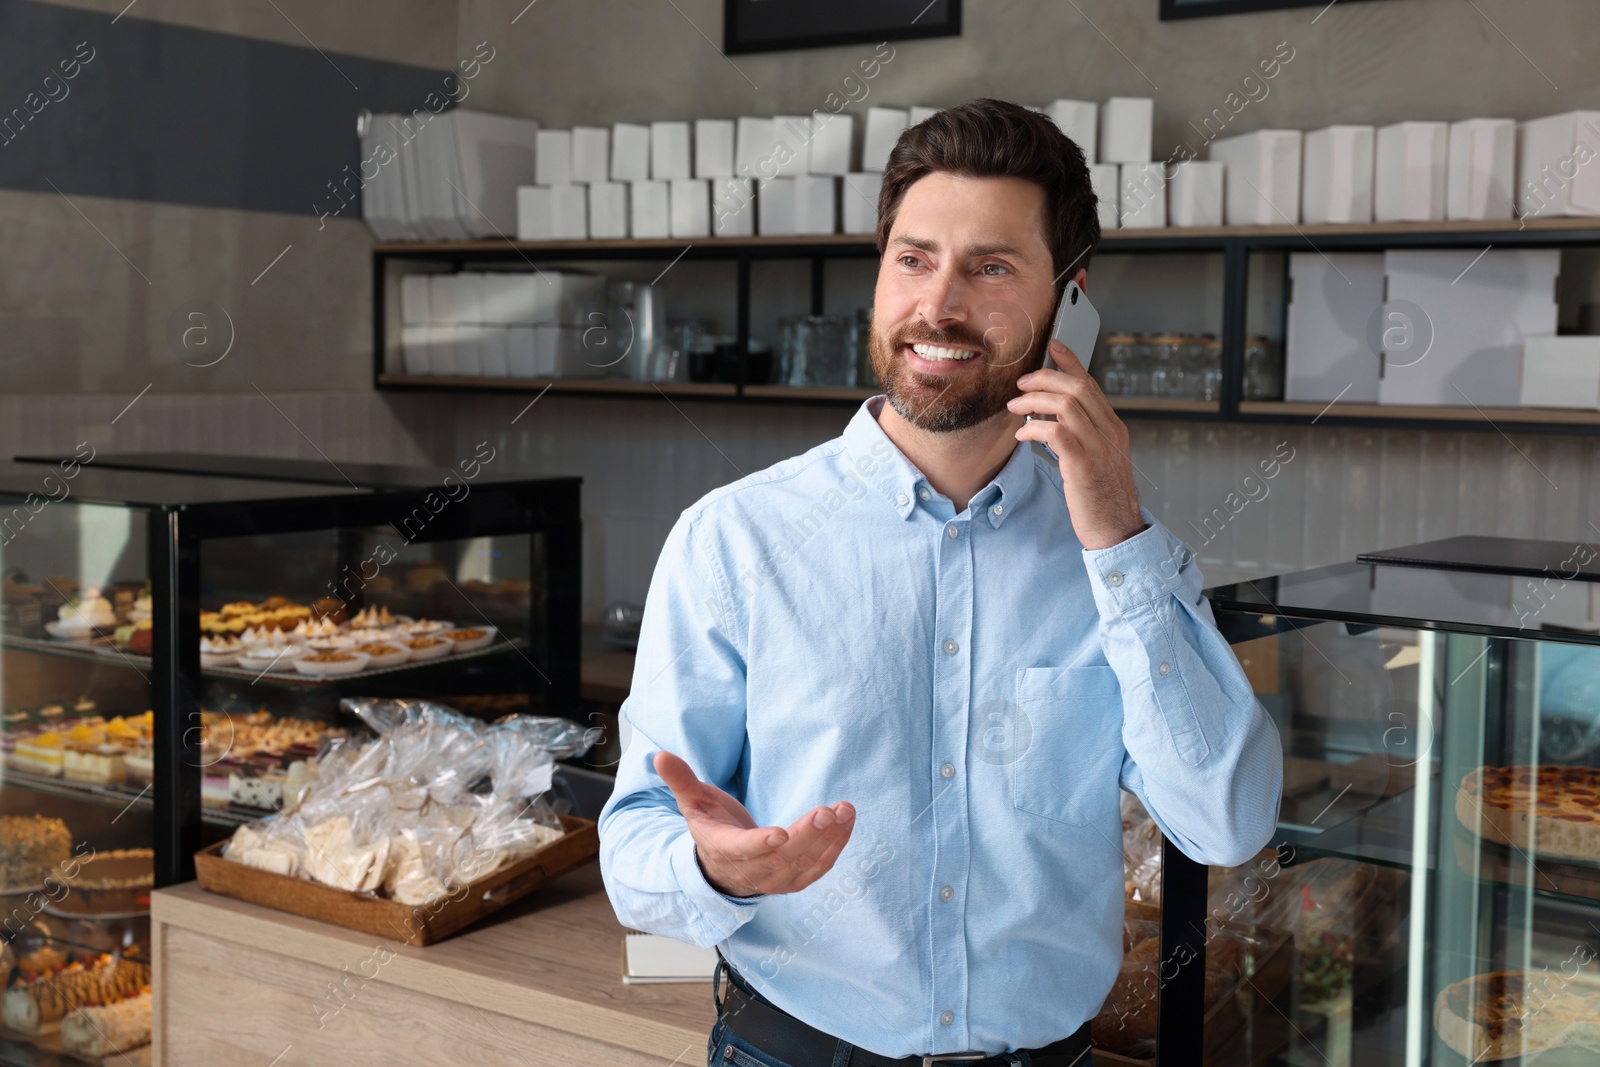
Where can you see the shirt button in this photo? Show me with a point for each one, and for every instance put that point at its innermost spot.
(1114, 578)
(948, 770)
(946, 1018)
(1165, 668)
(951, 532)
(998, 509)
(951, 648)
(923, 493)
(946, 893)
(901, 499)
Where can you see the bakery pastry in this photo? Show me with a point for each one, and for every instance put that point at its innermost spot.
(38, 1006)
(1505, 1014)
(117, 882)
(85, 612)
(96, 764)
(1550, 811)
(39, 754)
(107, 1030)
(31, 847)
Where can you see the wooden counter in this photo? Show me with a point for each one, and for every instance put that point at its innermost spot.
(539, 983)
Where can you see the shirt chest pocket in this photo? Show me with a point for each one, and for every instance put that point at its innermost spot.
(1069, 768)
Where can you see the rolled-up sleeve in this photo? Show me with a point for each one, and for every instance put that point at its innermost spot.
(688, 698)
(1202, 753)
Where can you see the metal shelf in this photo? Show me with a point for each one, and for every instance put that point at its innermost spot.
(1236, 244)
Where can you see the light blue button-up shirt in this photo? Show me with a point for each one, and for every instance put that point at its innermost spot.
(979, 686)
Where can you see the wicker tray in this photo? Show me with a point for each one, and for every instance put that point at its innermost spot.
(413, 924)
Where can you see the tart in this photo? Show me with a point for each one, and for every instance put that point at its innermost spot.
(385, 653)
(324, 663)
(426, 648)
(1550, 810)
(465, 639)
(110, 883)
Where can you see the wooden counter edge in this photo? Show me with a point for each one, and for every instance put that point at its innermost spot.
(192, 908)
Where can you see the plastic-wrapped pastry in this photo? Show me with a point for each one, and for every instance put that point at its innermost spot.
(435, 801)
(97, 1032)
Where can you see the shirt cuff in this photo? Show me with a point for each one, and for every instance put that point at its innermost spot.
(1145, 567)
(720, 911)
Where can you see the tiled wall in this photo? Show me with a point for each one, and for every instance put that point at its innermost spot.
(1335, 492)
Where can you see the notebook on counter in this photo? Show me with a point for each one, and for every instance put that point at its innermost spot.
(652, 958)
(1496, 555)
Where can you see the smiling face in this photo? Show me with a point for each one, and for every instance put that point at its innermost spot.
(963, 305)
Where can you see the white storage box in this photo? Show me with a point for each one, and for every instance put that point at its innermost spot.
(669, 151)
(831, 140)
(690, 207)
(1125, 129)
(1334, 308)
(1458, 338)
(1106, 178)
(444, 348)
(1556, 171)
(1337, 172)
(552, 157)
(591, 154)
(775, 213)
(519, 352)
(794, 133)
(1409, 177)
(733, 207)
(608, 209)
(414, 348)
(1079, 120)
(884, 126)
(1480, 181)
(1143, 195)
(753, 148)
(1561, 372)
(512, 298)
(1262, 182)
(552, 213)
(495, 344)
(630, 152)
(648, 209)
(414, 305)
(859, 197)
(1194, 194)
(816, 204)
(713, 148)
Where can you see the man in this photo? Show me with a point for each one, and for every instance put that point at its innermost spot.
(887, 690)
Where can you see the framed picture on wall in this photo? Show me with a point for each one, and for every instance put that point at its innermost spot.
(1191, 9)
(776, 25)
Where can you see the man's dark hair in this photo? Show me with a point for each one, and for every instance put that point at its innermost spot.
(997, 139)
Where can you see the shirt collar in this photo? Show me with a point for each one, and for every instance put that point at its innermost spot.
(877, 461)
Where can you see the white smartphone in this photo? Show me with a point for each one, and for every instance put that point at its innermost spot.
(1077, 326)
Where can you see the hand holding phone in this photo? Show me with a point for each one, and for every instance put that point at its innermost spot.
(1077, 326)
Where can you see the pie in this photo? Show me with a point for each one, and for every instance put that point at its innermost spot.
(1550, 811)
(1504, 1014)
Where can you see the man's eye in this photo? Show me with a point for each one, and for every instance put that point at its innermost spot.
(908, 260)
(995, 266)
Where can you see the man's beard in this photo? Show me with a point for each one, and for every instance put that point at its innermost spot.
(930, 402)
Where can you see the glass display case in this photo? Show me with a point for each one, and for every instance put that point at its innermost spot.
(1436, 870)
(173, 653)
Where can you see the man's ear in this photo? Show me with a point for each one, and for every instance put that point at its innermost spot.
(1082, 278)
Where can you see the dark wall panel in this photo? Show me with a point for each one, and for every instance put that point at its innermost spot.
(183, 116)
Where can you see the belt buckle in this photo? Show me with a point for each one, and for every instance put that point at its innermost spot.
(954, 1057)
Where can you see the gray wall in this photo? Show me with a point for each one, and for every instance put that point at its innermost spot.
(84, 334)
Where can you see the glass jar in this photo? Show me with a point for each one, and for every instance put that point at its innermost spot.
(1263, 370)
(1167, 365)
(1140, 366)
(821, 353)
(1117, 365)
(1210, 364)
(861, 341)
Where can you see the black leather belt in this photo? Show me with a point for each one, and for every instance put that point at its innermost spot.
(782, 1036)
